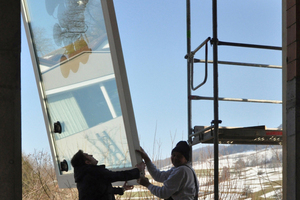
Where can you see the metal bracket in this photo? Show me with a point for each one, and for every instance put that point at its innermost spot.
(64, 166)
(57, 127)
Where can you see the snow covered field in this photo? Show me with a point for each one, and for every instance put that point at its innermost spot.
(247, 175)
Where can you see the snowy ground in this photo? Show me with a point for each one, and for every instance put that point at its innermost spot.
(241, 181)
(240, 177)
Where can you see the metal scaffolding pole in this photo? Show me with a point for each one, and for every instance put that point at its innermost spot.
(216, 103)
(188, 36)
(216, 120)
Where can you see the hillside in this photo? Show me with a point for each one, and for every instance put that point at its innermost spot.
(206, 152)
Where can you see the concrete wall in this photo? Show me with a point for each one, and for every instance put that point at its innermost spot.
(292, 139)
(10, 101)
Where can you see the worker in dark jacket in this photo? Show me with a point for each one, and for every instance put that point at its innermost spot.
(94, 181)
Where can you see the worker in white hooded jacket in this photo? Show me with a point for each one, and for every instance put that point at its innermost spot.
(180, 182)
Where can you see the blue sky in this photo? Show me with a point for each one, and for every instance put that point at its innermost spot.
(153, 37)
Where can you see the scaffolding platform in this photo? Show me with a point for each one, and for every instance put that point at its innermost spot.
(255, 135)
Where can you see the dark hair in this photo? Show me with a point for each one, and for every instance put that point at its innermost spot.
(78, 159)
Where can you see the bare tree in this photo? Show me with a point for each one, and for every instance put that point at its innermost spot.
(39, 179)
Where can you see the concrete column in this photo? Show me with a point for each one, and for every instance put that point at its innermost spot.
(284, 63)
(292, 143)
(10, 101)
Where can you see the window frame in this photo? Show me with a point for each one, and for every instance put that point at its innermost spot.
(67, 180)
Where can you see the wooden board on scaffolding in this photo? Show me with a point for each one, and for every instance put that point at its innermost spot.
(256, 135)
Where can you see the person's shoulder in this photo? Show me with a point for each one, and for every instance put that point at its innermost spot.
(184, 169)
(97, 167)
(185, 166)
(91, 168)
(181, 168)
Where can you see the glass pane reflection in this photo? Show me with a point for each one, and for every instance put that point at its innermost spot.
(74, 61)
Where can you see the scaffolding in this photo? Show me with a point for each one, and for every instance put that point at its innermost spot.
(214, 133)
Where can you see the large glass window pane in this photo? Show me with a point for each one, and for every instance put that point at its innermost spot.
(74, 67)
